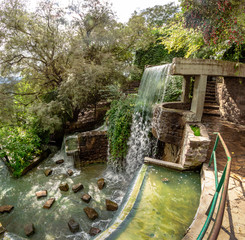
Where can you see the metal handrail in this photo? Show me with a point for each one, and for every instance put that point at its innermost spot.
(224, 181)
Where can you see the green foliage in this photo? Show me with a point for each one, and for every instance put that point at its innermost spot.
(174, 89)
(119, 119)
(196, 130)
(20, 146)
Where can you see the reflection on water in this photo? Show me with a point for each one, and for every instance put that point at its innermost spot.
(164, 209)
(52, 223)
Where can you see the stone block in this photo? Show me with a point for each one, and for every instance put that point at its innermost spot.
(41, 194)
(6, 208)
(49, 203)
(91, 213)
(110, 205)
(101, 183)
(29, 229)
(64, 187)
(60, 161)
(70, 172)
(48, 172)
(94, 231)
(86, 198)
(77, 187)
(73, 225)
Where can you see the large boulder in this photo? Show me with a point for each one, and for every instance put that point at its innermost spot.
(6, 208)
(110, 205)
(91, 213)
(73, 225)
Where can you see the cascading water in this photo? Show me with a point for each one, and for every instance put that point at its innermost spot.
(152, 89)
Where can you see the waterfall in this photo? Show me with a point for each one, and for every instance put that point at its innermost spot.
(152, 90)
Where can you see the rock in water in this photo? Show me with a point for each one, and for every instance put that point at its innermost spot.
(69, 172)
(29, 229)
(77, 187)
(94, 231)
(73, 225)
(59, 161)
(91, 213)
(49, 203)
(101, 183)
(86, 198)
(41, 194)
(6, 208)
(110, 205)
(64, 187)
(2, 229)
(48, 172)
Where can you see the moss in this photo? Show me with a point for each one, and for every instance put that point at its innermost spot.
(196, 130)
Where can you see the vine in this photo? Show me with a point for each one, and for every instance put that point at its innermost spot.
(119, 120)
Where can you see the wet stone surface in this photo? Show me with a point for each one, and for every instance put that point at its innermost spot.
(73, 225)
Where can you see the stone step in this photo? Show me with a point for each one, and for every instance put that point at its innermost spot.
(210, 101)
(211, 106)
(211, 112)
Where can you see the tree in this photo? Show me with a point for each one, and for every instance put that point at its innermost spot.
(219, 21)
(160, 14)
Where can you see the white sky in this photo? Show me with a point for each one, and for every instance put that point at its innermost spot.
(122, 8)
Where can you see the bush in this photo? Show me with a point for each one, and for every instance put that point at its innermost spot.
(20, 146)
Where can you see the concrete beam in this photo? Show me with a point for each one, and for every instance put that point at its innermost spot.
(198, 99)
(194, 67)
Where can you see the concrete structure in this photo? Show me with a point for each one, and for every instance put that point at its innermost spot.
(200, 69)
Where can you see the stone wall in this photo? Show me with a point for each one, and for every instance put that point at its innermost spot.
(232, 99)
(168, 124)
(92, 148)
(194, 148)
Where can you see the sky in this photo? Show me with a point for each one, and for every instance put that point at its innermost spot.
(122, 8)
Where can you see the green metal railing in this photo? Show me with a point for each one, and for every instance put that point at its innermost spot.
(224, 182)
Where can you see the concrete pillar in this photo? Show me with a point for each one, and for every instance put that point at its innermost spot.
(186, 89)
(198, 99)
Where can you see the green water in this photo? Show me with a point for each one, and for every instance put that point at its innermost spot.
(52, 223)
(164, 210)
